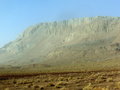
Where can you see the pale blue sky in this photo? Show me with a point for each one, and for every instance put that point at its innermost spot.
(17, 15)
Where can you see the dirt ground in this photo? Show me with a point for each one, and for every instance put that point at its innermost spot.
(93, 80)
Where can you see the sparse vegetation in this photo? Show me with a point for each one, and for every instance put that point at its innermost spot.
(51, 85)
(109, 80)
(7, 89)
(118, 85)
(36, 86)
(88, 87)
(105, 80)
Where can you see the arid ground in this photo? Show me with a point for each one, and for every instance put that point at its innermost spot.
(76, 54)
(92, 80)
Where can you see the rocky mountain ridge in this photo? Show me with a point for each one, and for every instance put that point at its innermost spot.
(69, 43)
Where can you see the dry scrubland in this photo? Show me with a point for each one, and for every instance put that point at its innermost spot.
(82, 44)
(94, 80)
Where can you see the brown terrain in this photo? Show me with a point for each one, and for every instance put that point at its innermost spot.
(76, 54)
(92, 80)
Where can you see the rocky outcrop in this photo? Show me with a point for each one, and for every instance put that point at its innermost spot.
(65, 43)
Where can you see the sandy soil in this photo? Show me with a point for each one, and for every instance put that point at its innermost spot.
(93, 80)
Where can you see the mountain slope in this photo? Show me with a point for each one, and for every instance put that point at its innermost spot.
(83, 43)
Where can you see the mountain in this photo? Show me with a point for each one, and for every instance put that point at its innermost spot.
(90, 43)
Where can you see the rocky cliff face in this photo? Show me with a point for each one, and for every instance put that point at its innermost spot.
(74, 42)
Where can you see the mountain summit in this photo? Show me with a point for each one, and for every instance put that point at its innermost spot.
(77, 44)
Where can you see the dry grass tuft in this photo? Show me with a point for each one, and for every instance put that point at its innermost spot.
(51, 85)
(63, 83)
(118, 85)
(100, 79)
(7, 89)
(42, 88)
(101, 88)
(88, 87)
(60, 84)
(109, 80)
(29, 85)
(36, 86)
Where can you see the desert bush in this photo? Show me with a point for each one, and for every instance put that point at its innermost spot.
(51, 85)
(118, 85)
(61, 79)
(7, 89)
(36, 86)
(41, 87)
(101, 88)
(60, 84)
(109, 80)
(100, 79)
(29, 85)
(46, 80)
(37, 80)
(88, 87)
(14, 82)
(69, 78)
(64, 88)
(24, 81)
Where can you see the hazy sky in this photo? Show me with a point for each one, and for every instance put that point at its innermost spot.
(17, 15)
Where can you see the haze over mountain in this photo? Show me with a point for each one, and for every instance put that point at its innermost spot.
(77, 44)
